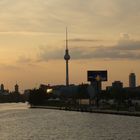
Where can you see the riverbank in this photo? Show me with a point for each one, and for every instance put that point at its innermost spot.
(91, 110)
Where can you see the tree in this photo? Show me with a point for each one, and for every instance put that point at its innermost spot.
(37, 97)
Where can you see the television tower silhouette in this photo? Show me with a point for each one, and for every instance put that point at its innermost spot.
(67, 58)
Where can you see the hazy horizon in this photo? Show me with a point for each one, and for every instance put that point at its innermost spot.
(103, 35)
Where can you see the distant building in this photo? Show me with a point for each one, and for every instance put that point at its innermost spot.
(2, 88)
(97, 86)
(132, 80)
(3, 91)
(117, 85)
(108, 88)
(16, 88)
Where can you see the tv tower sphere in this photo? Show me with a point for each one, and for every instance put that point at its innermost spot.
(66, 56)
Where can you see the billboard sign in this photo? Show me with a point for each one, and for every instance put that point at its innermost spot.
(99, 75)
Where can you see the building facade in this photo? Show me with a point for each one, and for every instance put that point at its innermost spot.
(132, 80)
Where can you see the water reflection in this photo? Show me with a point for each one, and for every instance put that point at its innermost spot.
(11, 106)
(43, 124)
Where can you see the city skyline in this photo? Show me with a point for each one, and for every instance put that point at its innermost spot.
(102, 35)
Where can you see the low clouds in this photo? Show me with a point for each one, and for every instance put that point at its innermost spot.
(83, 16)
(24, 16)
(9, 67)
(50, 53)
(24, 60)
(83, 40)
(28, 60)
(41, 16)
(124, 49)
(128, 45)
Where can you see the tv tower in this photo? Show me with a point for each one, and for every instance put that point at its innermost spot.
(67, 58)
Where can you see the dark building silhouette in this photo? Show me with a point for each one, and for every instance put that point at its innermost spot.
(97, 85)
(2, 87)
(16, 88)
(132, 80)
(117, 85)
(3, 91)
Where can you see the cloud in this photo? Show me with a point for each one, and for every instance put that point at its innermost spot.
(9, 67)
(107, 53)
(48, 53)
(28, 16)
(111, 53)
(83, 40)
(131, 45)
(124, 36)
(27, 60)
(124, 49)
(82, 16)
(24, 59)
(32, 33)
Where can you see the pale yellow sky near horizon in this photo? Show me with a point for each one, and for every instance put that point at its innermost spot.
(102, 35)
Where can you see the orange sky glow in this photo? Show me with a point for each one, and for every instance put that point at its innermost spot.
(103, 35)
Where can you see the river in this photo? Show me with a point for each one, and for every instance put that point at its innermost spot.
(18, 122)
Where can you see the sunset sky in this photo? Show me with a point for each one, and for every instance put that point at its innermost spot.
(103, 34)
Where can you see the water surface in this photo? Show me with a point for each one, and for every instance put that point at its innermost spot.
(17, 122)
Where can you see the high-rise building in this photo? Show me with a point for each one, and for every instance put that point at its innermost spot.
(132, 80)
(67, 58)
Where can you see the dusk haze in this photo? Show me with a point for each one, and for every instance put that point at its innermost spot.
(69, 69)
(102, 35)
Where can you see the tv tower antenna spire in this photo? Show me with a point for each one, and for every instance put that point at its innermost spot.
(67, 58)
